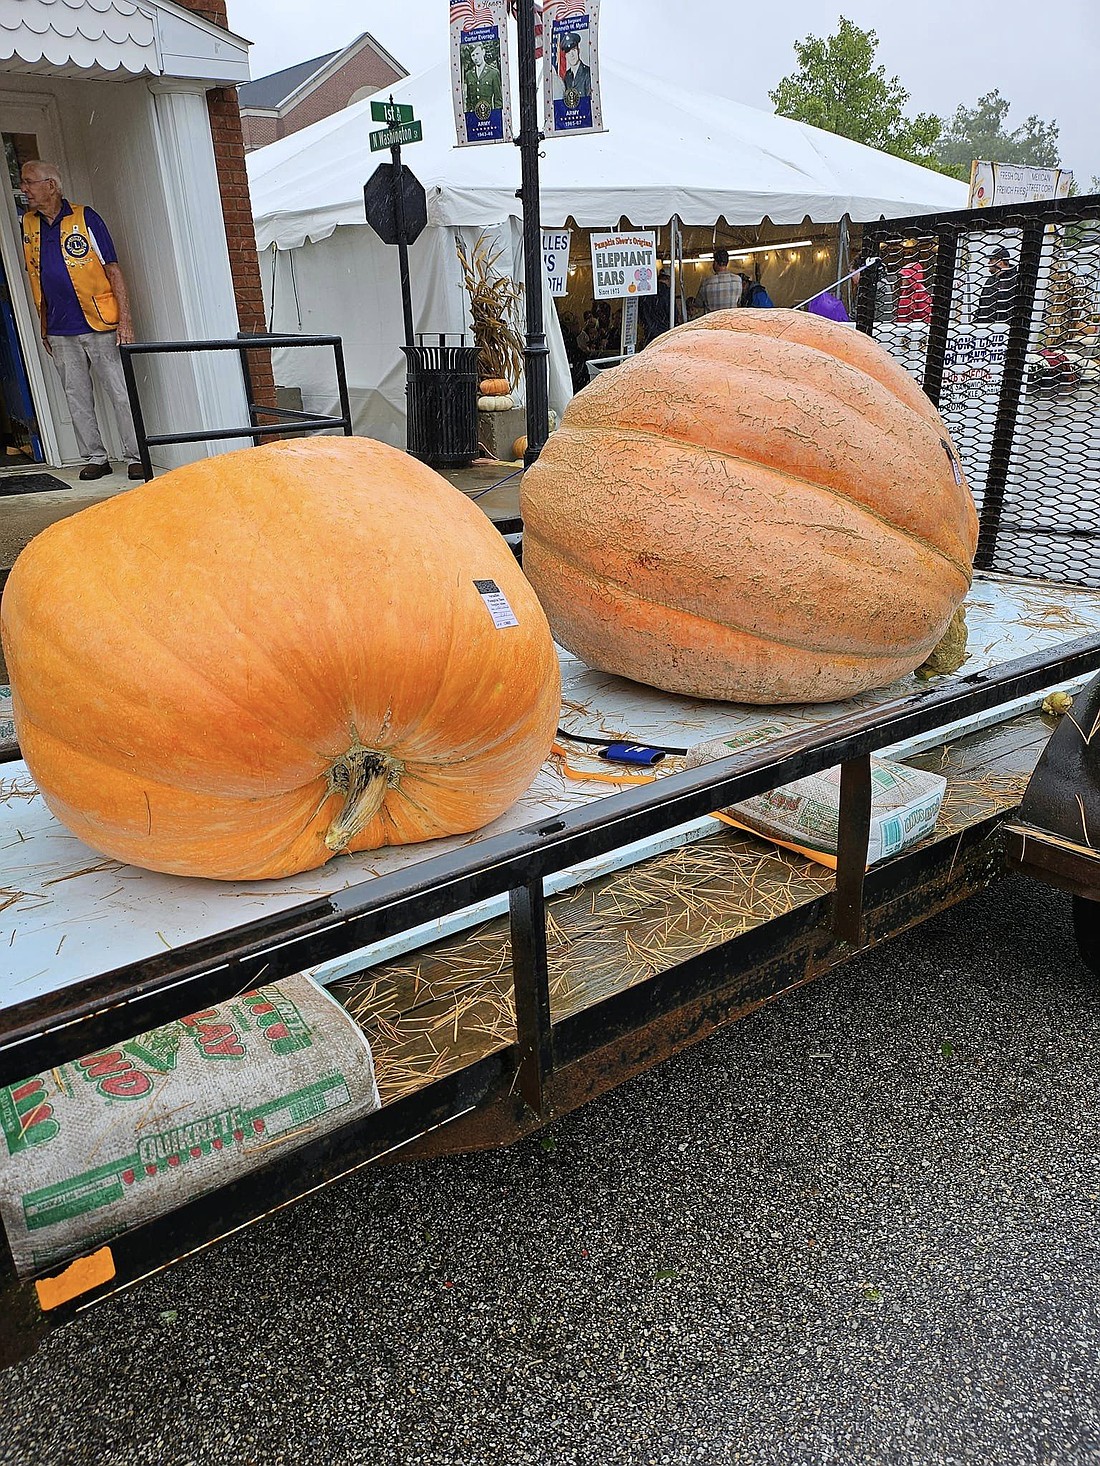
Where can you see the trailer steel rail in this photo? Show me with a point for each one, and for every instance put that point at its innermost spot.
(287, 419)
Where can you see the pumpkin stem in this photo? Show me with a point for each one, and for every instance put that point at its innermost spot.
(362, 776)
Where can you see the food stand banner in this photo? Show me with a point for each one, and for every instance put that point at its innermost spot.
(571, 67)
(1010, 183)
(555, 258)
(624, 264)
(479, 72)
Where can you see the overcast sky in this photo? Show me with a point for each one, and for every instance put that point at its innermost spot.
(1043, 57)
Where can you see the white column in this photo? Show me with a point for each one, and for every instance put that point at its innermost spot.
(199, 256)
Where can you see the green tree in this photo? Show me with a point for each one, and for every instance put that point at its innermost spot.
(979, 132)
(839, 88)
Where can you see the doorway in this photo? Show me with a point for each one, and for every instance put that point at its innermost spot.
(31, 399)
(20, 440)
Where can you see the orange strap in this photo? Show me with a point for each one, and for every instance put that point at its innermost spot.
(588, 778)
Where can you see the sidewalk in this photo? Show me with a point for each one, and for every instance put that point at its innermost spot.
(22, 516)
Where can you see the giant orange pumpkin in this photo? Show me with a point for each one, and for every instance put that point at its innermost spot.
(260, 660)
(762, 506)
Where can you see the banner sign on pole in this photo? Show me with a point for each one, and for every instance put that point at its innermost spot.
(1011, 183)
(571, 67)
(555, 257)
(480, 72)
(624, 263)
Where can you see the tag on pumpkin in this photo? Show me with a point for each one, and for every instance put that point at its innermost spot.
(496, 603)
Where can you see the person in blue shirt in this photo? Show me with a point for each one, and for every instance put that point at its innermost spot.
(753, 294)
(83, 308)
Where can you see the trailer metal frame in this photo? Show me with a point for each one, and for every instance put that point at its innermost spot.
(552, 1066)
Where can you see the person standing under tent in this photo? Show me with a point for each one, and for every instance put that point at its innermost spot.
(914, 300)
(722, 291)
(654, 311)
(999, 291)
(83, 307)
(753, 294)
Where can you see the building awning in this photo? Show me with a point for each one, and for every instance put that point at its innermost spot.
(116, 40)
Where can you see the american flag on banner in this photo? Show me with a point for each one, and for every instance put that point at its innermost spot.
(470, 14)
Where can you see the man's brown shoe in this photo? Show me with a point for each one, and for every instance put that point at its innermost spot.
(135, 471)
(95, 470)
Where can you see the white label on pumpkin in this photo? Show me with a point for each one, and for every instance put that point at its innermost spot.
(496, 603)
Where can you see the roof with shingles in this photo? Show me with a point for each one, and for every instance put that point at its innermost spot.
(273, 90)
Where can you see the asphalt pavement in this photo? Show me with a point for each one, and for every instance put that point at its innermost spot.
(860, 1226)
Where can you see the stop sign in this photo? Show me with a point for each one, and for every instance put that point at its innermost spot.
(378, 201)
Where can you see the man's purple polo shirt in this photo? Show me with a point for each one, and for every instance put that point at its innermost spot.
(64, 316)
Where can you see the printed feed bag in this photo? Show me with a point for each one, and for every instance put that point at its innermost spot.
(98, 1146)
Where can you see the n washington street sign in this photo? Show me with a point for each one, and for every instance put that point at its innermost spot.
(396, 137)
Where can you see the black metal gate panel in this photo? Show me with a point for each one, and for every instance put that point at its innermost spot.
(996, 312)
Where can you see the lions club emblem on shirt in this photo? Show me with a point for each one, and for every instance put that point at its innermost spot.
(76, 246)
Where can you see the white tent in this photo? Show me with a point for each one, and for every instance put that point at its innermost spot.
(668, 151)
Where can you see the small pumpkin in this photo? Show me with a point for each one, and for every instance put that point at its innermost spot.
(494, 404)
(762, 507)
(519, 447)
(495, 387)
(260, 660)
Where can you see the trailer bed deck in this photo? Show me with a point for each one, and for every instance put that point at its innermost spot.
(68, 914)
(441, 1008)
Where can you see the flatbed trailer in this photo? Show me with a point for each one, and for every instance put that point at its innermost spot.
(505, 979)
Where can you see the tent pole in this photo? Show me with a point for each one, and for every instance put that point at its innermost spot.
(537, 353)
(675, 268)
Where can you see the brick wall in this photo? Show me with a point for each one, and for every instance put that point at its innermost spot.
(365, 69)
(225, 129)
(258, 131)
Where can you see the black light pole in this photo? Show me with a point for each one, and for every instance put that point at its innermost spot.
(536, 354)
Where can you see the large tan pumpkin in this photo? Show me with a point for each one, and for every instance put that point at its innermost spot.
(263, 659)
(760, 507)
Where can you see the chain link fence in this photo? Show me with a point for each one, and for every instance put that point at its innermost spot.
(996, 312)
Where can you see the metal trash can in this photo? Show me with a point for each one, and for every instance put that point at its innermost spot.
(441, 391)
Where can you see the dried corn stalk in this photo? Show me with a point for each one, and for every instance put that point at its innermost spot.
(494, 311)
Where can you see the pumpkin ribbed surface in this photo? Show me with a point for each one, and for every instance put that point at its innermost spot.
(262, 659)
(760, 507)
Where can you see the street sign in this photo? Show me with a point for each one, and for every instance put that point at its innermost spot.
(396, 137)
(378, 201)
(391, 112)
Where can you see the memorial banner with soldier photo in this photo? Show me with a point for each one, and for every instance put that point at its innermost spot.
(571, 68)
(479, 72)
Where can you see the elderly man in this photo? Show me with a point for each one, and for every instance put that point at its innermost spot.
(722, 291)
(83, 307)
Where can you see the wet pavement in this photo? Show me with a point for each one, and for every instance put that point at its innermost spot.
(860, 1226)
